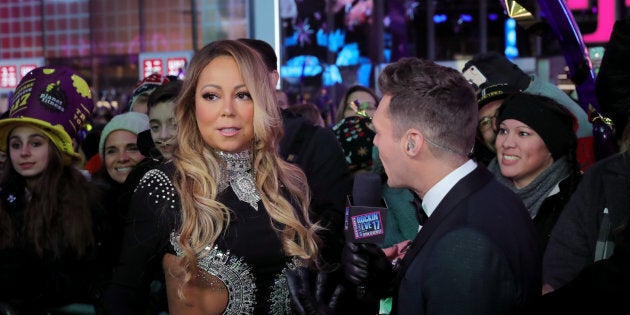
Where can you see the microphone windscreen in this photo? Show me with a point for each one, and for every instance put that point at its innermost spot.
(367, 190)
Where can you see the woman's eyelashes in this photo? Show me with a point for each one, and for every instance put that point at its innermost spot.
(243, 95)
(246, 96)
(209, 96)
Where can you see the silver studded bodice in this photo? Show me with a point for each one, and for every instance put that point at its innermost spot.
(248, 256)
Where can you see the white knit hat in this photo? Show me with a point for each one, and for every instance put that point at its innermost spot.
(131, 121)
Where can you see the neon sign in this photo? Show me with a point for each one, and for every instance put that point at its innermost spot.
(605, 18)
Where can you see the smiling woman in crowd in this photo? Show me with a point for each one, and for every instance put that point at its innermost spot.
(536, 145)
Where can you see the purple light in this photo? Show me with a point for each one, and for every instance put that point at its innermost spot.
(493, 16)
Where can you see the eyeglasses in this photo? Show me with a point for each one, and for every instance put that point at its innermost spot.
(360, 108)
(486, 122)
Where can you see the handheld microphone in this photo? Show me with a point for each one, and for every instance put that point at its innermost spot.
(366, 210)
(367, 189)
(365, 214)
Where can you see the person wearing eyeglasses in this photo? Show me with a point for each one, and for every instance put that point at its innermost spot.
(358, 99)
(489, 99)
(353, 127)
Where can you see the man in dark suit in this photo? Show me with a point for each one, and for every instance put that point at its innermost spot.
(477, 252)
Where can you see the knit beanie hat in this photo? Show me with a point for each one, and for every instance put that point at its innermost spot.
(131, 121)
(54, 99)
(497, 68)
(552, 121)
(146, 86)
(495, 92)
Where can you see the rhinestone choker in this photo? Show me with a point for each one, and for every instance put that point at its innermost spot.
(236, 171)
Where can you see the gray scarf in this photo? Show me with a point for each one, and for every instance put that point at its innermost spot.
(538, 190)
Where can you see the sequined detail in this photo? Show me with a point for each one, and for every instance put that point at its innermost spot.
(161, 190)
(232, 271)
(214, 282)
(237, 172)
(279, 299)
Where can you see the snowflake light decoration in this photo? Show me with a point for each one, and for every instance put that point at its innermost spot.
(304, 31)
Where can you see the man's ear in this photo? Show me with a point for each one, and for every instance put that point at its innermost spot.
(412, 141)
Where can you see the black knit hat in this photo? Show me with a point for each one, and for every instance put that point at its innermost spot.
(498, 69)
(552, 121)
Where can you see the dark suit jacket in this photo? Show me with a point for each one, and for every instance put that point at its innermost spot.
(477, 254)
(320, 156)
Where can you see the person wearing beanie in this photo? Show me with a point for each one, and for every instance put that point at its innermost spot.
(118, 144)
(144, 88)
(489, 99)
(535, 158)
(119, 153)
(48, 222)
(163, 132)
(489, 68)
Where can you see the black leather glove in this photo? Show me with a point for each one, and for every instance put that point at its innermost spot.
(305, 302)
(366, 266)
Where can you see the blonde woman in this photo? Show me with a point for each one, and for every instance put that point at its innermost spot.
(241, 212)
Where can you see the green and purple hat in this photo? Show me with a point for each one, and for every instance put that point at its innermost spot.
(54, 99)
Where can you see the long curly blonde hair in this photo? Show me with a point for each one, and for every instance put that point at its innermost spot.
(280, 184)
